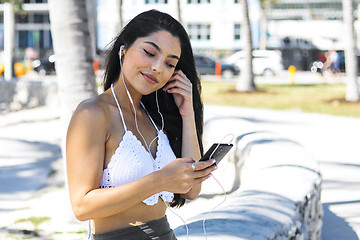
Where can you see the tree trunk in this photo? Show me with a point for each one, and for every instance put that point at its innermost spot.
(179, 11)
(9, 29)
(263, 25)
(74, 62)
(74, 57)
(72, 47)
(352, 87)
(246, 82)
(121, 19)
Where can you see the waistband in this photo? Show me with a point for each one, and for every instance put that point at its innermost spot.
(158, 229)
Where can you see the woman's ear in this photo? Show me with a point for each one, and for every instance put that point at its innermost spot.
(121, 51)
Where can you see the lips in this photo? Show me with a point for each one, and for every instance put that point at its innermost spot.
(151, 79)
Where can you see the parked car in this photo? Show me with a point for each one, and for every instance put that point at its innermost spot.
(265, 62)
(206, 66)
(45, 66)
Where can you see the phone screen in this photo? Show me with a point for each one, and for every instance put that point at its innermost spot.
(217, 151)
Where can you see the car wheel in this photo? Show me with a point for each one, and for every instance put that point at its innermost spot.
(268, 73)
(227, 74)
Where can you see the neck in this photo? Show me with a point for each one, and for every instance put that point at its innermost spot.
(124, 98)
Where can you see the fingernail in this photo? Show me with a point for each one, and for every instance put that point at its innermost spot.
(213, 161)
(215, 167)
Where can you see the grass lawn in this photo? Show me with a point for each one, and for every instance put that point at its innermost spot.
(319, 98)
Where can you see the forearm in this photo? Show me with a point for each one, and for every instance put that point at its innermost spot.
(99, 203)
(191, 149)
(190, 143)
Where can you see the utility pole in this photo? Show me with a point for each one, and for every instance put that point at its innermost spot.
(8, 39)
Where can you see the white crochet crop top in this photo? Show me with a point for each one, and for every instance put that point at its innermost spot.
(131, 161)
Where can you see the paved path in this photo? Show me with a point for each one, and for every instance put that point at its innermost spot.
(30, 141)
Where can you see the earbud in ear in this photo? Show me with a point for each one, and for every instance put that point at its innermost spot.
(120, 51)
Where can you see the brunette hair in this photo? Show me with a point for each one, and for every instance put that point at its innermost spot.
(144, 25)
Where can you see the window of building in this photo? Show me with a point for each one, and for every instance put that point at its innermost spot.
(32, 18)
(237, 30)
(38, 39)
(198, 1)
(199, 31)
(156, 1)
(21, 18)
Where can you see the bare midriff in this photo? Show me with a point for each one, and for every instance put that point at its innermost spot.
(137, 215)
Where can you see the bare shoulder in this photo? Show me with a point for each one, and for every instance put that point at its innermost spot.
(92, 112)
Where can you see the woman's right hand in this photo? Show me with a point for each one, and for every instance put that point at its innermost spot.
(179, 175)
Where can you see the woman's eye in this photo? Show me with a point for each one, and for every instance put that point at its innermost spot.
(170, 65)
(149, 53)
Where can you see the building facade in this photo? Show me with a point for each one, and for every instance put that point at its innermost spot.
(32, 29)
(315, 21)
(213, 25)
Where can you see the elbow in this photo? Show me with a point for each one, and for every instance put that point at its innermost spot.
(80, 213)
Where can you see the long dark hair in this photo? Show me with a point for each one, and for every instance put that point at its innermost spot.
(144, 25)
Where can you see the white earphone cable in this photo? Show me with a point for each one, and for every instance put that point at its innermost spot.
(225, 195)
(132, 104)
(186, 226)
(148, 148)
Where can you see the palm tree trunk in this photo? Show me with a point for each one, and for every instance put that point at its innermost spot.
(352, 87)
(74, 58)
(121, 19)
(74, 62)
(9, 29)
(263, 23)
(246, 82)
(179, 11)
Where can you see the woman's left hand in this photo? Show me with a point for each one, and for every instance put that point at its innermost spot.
(181, 88)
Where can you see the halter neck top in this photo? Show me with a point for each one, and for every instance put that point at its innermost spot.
(131, 161)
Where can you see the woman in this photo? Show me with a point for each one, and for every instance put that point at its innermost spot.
(131, 150)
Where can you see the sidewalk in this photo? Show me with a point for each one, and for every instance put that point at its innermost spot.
(30, 151)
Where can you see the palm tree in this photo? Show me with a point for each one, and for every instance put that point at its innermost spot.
(264, 4)
(73, 51)
(179, 11)
(9, 29)
(352, 87)
(121, 19)
(246, 82)
(10, 7)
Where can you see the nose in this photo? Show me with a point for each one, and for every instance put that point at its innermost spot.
(157, 66)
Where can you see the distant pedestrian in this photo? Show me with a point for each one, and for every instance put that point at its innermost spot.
(131, 150)
(334, 58)
(332, 62)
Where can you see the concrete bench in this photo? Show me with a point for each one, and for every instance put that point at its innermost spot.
(278, 198)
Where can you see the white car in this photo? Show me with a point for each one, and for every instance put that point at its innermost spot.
(265, 62)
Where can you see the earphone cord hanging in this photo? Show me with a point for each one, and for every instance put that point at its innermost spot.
(225, 195)
(132, 104)
(186, 226)
(162, 128)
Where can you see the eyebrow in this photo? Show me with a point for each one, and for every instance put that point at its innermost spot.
(159, 49)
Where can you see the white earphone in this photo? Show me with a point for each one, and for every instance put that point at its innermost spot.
(120, 51)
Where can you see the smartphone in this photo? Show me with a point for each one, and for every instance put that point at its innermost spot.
(217, 151)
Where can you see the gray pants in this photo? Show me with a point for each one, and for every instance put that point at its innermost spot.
(154, 230)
